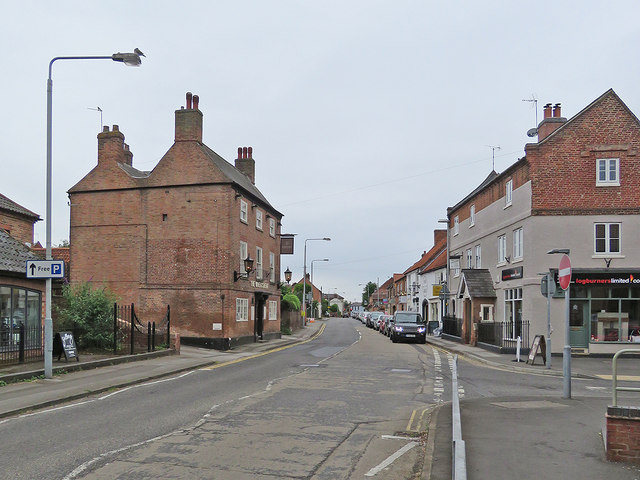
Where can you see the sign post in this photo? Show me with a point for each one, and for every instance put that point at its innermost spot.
(564, 278)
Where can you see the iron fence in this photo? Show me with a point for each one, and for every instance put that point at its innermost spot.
(131, 336)
(21, 344)
(452, 326)
(504, 334)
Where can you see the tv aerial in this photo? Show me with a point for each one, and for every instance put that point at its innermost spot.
(532, 132)
(97, 109)
(493, 155)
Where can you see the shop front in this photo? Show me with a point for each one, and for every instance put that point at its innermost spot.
(604, 309)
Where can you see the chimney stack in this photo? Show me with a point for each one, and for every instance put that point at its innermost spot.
(246, 164)
(551, 122)
(111, 146)
(189, 121)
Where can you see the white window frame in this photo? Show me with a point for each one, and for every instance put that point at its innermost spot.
(456, 225)
(518, 243)
(469, 258)
(472, 215)
(502, 249)
(259, 263)
(508, 193)
(244, 252)
(273, 310)
(272, 267)
(244, 211)
(478, 257)
(242, 309)
(258, 219)
(513, 297)
(607, 238)
(272, 227)
(489, 307)
(608, 172)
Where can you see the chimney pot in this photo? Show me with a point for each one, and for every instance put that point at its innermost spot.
(116, 128)
(189, 95)
(244, 152)
(239, 152)
(250, 152)
(547, 110)
(196, 100)
(556, 110)
(105, 128)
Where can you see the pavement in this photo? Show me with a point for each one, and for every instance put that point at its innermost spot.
(535, 437)
(505, 438)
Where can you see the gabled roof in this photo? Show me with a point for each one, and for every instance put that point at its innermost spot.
(608, 93)
(478, 282)
(11, 206)
(439, 261)
(14, 254)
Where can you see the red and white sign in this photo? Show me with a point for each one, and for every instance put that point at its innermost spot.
(564, 272)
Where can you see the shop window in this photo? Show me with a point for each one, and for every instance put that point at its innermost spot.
(19, 306)
(513, 312)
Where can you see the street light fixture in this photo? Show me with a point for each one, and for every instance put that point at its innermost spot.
(304, 276)
(287, 275)
(317, 260)
(129, 59)
(445, 289)
(566, 351)
(248, 266)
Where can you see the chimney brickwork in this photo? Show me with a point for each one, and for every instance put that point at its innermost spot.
(189, 121)
(246, 164)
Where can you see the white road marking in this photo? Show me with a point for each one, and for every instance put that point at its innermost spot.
(391, 459)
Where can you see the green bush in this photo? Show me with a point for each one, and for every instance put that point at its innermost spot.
(291, 302)
(90, 312)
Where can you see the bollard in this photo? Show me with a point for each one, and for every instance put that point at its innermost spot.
(518, 344)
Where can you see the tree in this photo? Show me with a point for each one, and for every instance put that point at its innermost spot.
(63, 244)
(90, 311)
(369, 288)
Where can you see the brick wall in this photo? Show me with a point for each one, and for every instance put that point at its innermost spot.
(623, 434)
(172, 237)
(19, 227)
(563, 168)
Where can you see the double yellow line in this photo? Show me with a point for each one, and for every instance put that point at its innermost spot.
(279, 349)
(419, 419)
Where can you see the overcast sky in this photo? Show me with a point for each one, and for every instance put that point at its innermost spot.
(367, 118)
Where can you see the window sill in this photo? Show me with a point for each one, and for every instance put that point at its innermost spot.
(607, 256)
(517, 260)
(507, 206)
(608, 184)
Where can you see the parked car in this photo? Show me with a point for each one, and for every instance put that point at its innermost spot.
(408, 326)
(385, 324)
(373, 320)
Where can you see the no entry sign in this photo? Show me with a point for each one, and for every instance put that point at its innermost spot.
(564, 272)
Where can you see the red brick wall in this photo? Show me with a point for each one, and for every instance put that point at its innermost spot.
(623, 439)
(173, 240)
(19, 227)
(518, 173)
(563, 168)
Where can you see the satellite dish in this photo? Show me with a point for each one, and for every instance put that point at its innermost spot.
(532, 132)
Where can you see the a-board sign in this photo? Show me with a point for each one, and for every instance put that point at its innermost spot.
(64, 343)
(538, 346)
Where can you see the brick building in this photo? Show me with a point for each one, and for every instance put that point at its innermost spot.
(21, 298)
(179, 234)
(575, 188)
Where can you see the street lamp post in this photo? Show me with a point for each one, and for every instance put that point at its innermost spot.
(129, 59)
(304, 276)
(317, 260)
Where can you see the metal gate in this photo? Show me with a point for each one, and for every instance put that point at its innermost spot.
(131, 335)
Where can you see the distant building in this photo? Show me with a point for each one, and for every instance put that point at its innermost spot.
(179, 235)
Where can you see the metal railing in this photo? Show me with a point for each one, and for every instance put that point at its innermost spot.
(21, 344)
(452, 326)
(503, 334)
(614, 375)
(458, 451)
(131, 336)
